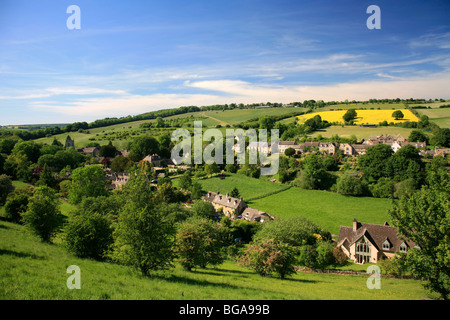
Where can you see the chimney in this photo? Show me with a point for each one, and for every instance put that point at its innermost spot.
(227, 194)
(355, 225)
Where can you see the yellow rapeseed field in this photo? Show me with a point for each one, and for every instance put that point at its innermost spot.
(362, 116)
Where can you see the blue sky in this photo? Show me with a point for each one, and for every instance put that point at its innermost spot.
(131, 57)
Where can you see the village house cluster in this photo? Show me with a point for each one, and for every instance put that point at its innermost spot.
(348, 149)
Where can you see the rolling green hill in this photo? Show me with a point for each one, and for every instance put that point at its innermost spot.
(32, 270)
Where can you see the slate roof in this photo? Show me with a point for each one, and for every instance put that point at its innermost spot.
(377, 234)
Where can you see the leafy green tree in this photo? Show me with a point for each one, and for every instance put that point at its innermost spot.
(185, 181)
(143, 146)
(384, 188)
(159, 123)
(375, 163)
(349, 115)
(350, 185)
(143, 237)
(232, 167)
(212, 168)
(42, 215)
(28, 148)
(294, 231)
(417, 135)
(196, 190)
(441, 137)
(18, 166)
(235, 193)
(121, 164)
(307, 256)
(324, 257)
(406, 163)
(289, 152)
(168, 194)
(6, 187)
(7, 145)
(314, 174)
(87, 182)
(424, 219)
(2, 162)
(405, 189)
(198, 243)
(88, 234)
(266, 122)
(203, 209)
(398, 114)
(267, 256)
(15, 207)
(46, 178)
(108, 151)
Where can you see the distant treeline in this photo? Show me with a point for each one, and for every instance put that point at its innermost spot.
(40, 131)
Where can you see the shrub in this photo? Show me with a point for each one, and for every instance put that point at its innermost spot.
(42, 215)
(88, 235)
(6, 187)
(350, 185)
(307, 256)
(15, 207)
(384, 188)
(198, 243)
(339, 256)
(294, 231)
(267, 256)
(325, 255)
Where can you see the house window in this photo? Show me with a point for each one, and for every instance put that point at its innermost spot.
(386, 245)
(362, 252)
(403, 247)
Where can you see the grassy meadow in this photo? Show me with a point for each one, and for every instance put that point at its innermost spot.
(360, 132)
(32, 270)
(248, 187)
(327, 209)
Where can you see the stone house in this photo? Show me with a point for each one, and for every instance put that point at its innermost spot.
(230, 206)
(252, 214)
(235, 208)
(365, 242)
(284, 145)
(347, 149)
(360, 149)
(329, 147)
(93, 151)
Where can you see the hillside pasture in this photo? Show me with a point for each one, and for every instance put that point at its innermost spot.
(327, 209)
(33, 270)
(360, 132)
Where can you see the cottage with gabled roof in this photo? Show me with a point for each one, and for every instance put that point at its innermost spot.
(235, 208)
(231, 207)
(365, 242)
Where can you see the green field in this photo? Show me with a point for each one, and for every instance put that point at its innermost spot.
(439, 116)
(121, 134)
(327, 209)
(360, 132)
(32, 270)
(248, 187)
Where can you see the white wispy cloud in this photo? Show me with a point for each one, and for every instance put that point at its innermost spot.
(228, 91)
(57, 91)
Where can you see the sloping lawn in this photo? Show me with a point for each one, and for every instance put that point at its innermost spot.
(329, 210)
(30, 269)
